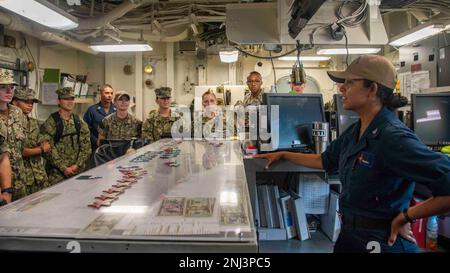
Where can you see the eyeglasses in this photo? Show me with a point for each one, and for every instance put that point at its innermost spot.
(257, 81)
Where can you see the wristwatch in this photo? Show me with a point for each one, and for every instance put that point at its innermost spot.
(407, 218)
(8, 190)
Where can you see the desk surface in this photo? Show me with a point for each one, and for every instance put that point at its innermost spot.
(282, 165)
(49, 219)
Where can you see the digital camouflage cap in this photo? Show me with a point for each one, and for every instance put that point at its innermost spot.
(26, 94)
(7, 76)
(121, 94)
(65, 93)
(163, 92)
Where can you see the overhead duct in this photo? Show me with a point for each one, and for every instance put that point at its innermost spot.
(118, 12)
(181, 35)
(96, 24)
(256, 23)
(16, 24)
(66, 41)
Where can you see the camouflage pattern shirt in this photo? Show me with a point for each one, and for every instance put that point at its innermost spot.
(249, 99)
(3, 134)
(114, 128)
(257, 100)
(156, 126)
(68, 151)
(15, 142)
(210, 127)
(35, 165)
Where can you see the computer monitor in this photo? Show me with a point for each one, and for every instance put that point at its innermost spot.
(431, 117)
(344, 118)
(297, 112)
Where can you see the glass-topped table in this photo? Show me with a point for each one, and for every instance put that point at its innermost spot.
(190, 196)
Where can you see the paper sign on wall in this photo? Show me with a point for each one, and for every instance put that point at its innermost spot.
(49, 96)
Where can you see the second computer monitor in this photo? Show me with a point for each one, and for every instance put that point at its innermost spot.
(297, 112)
(431, 117)
(344, 118)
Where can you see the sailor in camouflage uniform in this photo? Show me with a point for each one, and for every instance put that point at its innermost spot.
(252, 98)
(159, 122)
(3, 133)
(255, 96)
(35, 146)
(211, 119)
(69, 139)
(14, 121)
(5, 169)
(120, 125)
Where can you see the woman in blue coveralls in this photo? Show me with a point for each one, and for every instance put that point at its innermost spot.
(379, 160)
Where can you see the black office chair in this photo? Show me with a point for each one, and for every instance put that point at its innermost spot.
(111, 149)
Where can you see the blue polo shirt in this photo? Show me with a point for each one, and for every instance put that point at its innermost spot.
(93, 117)
(378, 173)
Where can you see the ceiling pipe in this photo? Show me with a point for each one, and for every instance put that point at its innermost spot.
(158, 37)
(175, 23)
(96, 24)
(14, 23)
(118, 12)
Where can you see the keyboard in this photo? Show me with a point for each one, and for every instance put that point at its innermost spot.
(435, 148)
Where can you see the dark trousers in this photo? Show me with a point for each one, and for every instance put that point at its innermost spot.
(371, 241)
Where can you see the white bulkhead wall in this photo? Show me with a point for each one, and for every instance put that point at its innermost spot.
(108, 68)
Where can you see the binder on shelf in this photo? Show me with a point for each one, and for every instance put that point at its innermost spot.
(288, 217)
(84, 89)
(68, 80)
(257, 218)
(277, 205)
(262, 209)
(330, 222)
(272, 234)
(282, 192)
(300, 220)
(268, 206)
(273, 204)
(77, 88)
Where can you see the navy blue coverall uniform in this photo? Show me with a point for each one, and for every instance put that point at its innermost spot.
(378, 175)
(93, 117)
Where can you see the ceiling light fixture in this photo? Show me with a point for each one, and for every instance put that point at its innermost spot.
(305, 58)
(135, 46)
(42, 12)
(416, 34)
(343, 51)
(227, 56)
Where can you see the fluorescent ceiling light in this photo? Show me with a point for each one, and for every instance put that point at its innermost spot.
(229, 56)
(342, 51)
(305, 58)
(417, 35)
(41, 12)
(121, 47)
